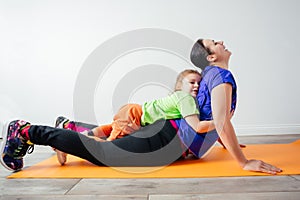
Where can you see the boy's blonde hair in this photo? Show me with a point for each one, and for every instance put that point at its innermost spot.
(182, 75)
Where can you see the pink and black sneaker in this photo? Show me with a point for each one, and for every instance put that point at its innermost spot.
(15, 145)
(62, 122)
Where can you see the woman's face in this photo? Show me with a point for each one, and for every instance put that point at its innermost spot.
(217, 49)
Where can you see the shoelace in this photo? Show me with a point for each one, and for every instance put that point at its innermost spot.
(22, 149)
(30, 149)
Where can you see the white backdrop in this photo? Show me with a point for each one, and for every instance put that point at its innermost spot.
(43, 45)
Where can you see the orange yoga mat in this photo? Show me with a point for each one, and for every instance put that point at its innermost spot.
(218, 163)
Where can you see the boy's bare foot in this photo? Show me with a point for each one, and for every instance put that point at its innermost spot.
(61, 157)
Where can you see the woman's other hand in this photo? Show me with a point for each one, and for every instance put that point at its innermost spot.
(261, 166)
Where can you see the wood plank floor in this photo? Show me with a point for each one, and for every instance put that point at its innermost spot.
(267, 187)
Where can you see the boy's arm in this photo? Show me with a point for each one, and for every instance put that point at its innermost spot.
(199, 126)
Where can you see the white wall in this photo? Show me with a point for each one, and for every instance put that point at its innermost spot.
(44, 44)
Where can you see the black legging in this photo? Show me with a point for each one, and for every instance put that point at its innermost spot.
(154, 145)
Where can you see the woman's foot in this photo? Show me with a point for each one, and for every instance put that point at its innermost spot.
(15, 144)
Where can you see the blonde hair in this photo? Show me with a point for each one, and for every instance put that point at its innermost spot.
(182, 75)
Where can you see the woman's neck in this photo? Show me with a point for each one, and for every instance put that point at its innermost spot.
(219, 64)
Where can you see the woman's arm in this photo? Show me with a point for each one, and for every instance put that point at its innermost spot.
(220, 141)
(199, 126)
(221, 104)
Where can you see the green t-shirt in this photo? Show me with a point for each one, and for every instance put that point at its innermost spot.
(177, 105)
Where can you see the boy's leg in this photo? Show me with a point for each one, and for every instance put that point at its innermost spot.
(102, 131)
(126, 121)
(65, 123)
(80, 126)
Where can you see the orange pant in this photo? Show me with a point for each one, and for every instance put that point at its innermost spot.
(126, 121)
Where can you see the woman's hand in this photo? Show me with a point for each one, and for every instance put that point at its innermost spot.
(261, 166)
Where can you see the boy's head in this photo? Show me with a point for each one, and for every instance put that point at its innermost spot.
(188, 81)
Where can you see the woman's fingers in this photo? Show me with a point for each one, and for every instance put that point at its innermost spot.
(261, 166)
(270, 168)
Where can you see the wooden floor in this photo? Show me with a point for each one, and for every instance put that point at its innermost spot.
(266, 187)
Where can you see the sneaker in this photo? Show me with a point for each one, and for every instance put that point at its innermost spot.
(61, 122)
(14, 146)
(11, 163)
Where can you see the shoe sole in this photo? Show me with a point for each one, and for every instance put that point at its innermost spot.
(4, 140)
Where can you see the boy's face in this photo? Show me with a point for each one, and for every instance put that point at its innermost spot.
(190, 84)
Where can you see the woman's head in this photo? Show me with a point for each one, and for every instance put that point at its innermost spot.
(188, 81)
(207, 52)
(199, 55)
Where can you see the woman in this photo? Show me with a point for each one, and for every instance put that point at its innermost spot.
(155, 144)
(217, 98)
